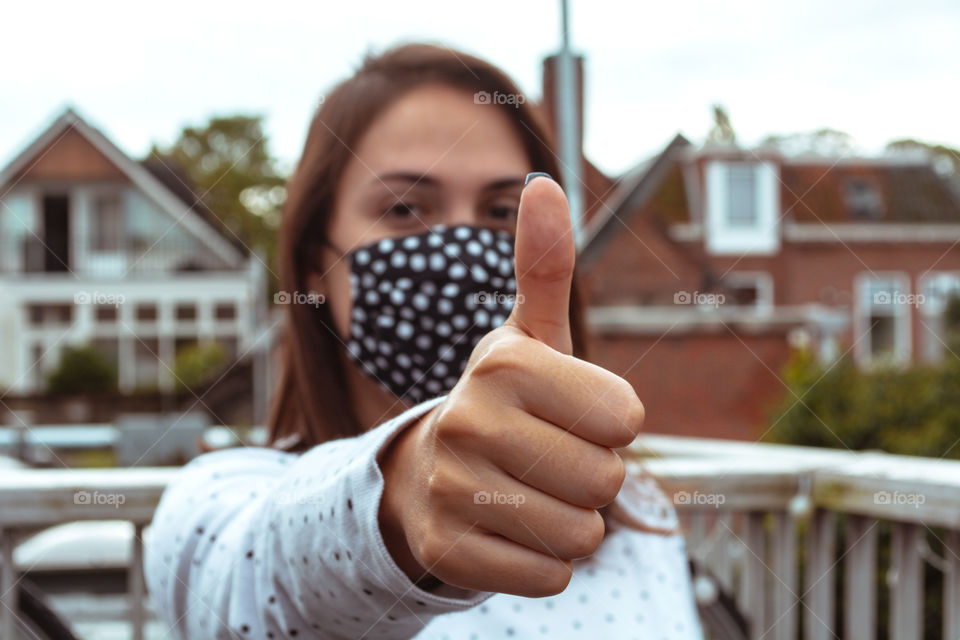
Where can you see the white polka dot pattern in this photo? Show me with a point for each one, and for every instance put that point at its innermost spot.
(421, 303)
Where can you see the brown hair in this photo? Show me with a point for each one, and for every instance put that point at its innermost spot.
(312, 402)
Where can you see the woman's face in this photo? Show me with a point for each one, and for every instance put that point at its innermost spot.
(434, 156)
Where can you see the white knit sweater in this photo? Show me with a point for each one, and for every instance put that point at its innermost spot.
(257, 543)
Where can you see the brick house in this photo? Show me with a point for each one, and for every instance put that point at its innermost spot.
(704, 266)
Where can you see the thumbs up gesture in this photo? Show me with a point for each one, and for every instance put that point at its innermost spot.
(497, 488)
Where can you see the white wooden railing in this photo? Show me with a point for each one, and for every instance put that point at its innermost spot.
(748, 510)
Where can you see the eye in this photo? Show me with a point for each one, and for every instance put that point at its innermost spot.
(405, 210)
(503, 210)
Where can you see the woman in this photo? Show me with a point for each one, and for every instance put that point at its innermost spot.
(442, 462)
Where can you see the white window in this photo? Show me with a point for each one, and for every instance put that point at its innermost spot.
(937, 289)
(16, 229)
(882, 311)
(750, 289)
(743, 205)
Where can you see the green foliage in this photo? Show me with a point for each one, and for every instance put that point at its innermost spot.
(911, 411)
(198, 365)
(823, 142)
(82, 369)
(228, 164)
(945, 159)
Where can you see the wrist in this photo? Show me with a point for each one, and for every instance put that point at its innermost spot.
(395, 462)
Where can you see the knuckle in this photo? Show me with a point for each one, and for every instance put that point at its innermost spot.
(507, 355)
(607, 480)
(585, 535)
(556, 578)
(457, 419)
(430, 548)
(630, 413)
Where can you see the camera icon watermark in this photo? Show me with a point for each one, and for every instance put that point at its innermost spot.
(98, 298)
(485, 97)
(899, 498)
(697, 498)
(898, 298)
(96, 498)
(497, 298)
(702, 299)
(298, 297)
(485, 497)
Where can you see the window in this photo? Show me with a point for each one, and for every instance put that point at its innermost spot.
(105, 313)
(743, 203)
(186, 312)
(749, 289)
(49, 315)
(146, 312)
(882, 323)
(106, 223)
(935, 326)
(863, 200)
(224, 311)
(146, 363)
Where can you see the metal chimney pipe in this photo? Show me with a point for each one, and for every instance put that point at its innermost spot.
(567, 118)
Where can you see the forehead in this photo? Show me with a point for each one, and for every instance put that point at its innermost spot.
(439, 130)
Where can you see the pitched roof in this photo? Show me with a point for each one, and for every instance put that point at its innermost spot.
(633, 190)
(187, 213)
(863, 190)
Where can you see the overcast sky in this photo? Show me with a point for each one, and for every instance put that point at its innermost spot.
(877, 70)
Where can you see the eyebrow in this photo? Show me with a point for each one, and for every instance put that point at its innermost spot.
(429, 181)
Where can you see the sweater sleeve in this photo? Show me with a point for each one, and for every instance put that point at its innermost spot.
(256, 543)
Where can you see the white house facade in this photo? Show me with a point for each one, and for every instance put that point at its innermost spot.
(94, 249)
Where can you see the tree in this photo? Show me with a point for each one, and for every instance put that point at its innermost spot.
(824, 142)
(82, 370)
(946, 160)
(228, 165)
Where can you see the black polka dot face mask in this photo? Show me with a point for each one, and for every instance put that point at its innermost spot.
(422, 302)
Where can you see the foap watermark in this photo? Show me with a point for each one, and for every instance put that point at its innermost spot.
(485, 497)
(495, 297)
(485, 97)
(298, 297)
(98, 498)
(287, 497)
(699, 499)
(898, 298)
(698, 298)
(898, 498)
(99, 297)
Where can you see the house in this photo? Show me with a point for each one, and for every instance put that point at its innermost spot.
(706, 266)
(95, 248)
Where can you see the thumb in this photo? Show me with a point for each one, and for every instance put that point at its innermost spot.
(544, 259)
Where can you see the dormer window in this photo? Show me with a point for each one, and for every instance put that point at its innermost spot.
(742, 207)
(863, 199)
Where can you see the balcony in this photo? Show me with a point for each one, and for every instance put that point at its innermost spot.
(165, 254)
(792, 535)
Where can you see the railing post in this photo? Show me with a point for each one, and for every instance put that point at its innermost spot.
(906, 582)
(820, 612)
(860, 579)
(135, 586)
(753, 593)
(785, 598)
(951, 586)
(8, 585)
